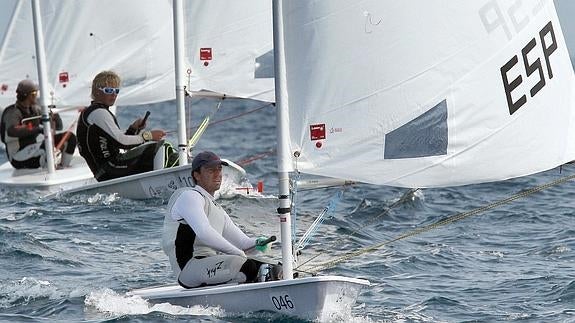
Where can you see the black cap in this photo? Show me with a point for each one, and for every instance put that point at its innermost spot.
(26, 86)
(206, 158)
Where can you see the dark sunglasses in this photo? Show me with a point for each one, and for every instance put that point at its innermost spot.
(110, 90)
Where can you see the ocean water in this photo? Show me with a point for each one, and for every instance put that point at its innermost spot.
(73, 259)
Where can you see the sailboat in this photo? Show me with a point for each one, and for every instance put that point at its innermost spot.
(73, 48)
(209, 55)
(410, 94)
(137, 43)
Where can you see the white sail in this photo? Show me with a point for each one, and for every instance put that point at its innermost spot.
(136, 40)
(229, 47)
(428, 93)
(83, 38)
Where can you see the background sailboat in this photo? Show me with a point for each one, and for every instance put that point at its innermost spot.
(365, 94)
(77, 47)
(209, 56)
(83, 38)
(137, 42)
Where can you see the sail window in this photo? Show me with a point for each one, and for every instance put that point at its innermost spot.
(423, 136)
(265, 66)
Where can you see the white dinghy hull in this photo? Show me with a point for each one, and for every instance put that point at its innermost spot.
(77, 175)
(322, 298)
(159, 183)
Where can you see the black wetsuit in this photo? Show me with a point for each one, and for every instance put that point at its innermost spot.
(100, 140)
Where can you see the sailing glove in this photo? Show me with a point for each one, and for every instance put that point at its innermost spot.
(263, 245)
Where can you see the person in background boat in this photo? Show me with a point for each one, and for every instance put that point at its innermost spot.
(203, 244)
(100, 138)
(23, 134)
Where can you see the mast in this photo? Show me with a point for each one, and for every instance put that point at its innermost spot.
(180, 89)
(283, 151)
(42, 80)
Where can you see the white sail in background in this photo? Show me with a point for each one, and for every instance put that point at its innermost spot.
(136, 40)
(83, 38)
(428, 93)
(229, 47)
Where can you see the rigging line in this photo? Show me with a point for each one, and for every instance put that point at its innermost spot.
(407, 195)
(253, 158)
(448, 220)
(202, 127)
(227, 119)
(326, 187)
(242, 114)
(326, 213)
(403, 198)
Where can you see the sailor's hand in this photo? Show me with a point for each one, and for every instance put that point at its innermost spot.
(158, 134)
(263, 244)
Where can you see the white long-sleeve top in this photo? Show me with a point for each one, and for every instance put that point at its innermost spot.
(214, 229)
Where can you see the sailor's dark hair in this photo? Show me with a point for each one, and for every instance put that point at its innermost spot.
(193, 178)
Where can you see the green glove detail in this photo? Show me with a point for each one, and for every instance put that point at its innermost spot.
(262, 245)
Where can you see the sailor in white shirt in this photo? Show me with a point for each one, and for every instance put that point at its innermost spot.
(204, 245)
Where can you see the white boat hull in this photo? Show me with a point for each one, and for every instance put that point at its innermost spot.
(77, 175)
(159, 183)
(322, 298)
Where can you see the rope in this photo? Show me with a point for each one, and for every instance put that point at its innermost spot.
(253, 158)
(326, 213)
(202, 127)
(225, 119)
(243, 114)
(449, 220)
(403, 198)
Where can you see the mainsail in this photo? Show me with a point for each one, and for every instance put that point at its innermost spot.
(229, 53)
(228, 48)
(83, 38)
(427, 94)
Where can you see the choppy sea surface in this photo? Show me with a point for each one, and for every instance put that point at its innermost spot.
(72, 259)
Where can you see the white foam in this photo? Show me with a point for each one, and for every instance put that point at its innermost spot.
(27, 289)
(108, 301)
(105, 199)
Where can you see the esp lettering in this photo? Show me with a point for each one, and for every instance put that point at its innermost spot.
(548, 44)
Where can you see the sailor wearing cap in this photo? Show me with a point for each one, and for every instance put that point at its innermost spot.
(204, 245)
(22, 132)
